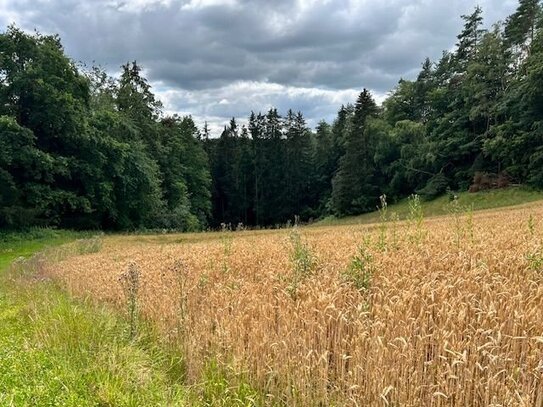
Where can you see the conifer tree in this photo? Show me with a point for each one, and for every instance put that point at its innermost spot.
(354, 190)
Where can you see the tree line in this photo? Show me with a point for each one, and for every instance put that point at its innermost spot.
(80, 149)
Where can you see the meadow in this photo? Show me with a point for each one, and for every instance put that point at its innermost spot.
(441, 311)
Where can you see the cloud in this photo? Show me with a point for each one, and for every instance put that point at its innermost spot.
(222, 58)
(238, 99)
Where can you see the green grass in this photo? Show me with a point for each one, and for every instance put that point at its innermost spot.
(224, 388)
(55, 351)
(24, 244)
(481, 200)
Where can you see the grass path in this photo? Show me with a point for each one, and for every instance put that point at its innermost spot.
(58, 352)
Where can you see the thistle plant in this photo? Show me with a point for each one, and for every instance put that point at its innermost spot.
(383, 219)
(361, 268)
(416, 217)
(130, 282)
(302, 260)
(454, 209)
(461, 228)
(178, 272)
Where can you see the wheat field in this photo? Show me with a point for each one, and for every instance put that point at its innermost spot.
(429, 312)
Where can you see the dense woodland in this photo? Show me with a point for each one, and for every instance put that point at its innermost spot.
(79, 149)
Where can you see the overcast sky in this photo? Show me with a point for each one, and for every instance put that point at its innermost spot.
(216, 59)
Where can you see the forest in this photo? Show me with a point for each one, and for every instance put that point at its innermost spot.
(80, 149)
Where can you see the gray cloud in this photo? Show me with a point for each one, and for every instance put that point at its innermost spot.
(223, 58)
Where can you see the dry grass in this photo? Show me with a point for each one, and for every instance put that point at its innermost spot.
(452, 315)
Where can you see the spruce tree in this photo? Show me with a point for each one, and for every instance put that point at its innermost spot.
(521, 27)
(353, 187)
(468, 39)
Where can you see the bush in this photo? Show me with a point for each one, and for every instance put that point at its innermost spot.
(436, 186)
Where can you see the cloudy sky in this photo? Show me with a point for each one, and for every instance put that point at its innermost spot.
(216, 59)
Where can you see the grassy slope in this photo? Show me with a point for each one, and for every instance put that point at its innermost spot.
(481, 200)
(55, 351)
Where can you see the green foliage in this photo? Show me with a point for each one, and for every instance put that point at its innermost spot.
(354, 188)
(416, 217)
(87, 151)
(436, 186)
(48, 97)
(17, 149)
(302, 259)
(521, 26)
(90, 245)
(301, 255)
(264, 174)
(361, 268)
(535, 261)
(468, 39)
(224, 388)
(416, 213)
(460, 228)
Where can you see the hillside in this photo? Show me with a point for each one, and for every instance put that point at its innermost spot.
(491, 199)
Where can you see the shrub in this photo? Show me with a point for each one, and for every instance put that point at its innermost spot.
(436, 186)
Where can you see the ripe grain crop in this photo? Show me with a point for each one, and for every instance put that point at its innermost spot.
(453, 317)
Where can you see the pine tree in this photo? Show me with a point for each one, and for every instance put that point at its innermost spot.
(422, 88)
(246, 170)
(273, 177)
(226, 176)
(517, 142)
(299, 168)
(256, 131)
(353, 187)
(521, 26)
(468, 39)
(325, 164)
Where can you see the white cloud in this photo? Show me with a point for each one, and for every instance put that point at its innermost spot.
(238, 99)
(7, 14)
(222, 58)
(199, 4)
(138, 5)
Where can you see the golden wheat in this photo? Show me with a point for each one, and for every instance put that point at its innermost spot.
(445, 321)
